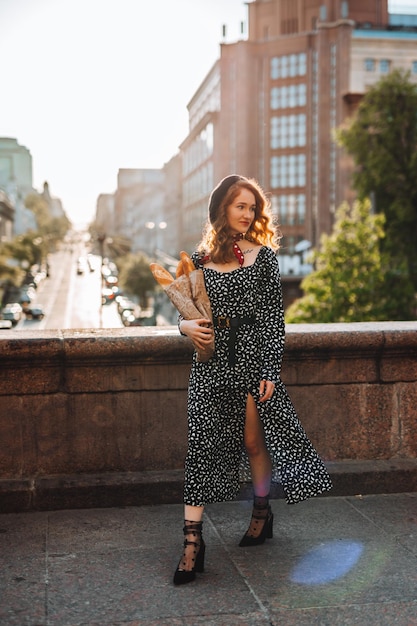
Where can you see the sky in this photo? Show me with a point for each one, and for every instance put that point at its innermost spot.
(92, 86)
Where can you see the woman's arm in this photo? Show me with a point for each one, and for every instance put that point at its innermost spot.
(199, 331)
(271, 318)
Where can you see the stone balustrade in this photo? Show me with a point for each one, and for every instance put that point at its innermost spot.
(98, 417)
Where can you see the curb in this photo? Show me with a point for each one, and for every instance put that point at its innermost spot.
(122, 489)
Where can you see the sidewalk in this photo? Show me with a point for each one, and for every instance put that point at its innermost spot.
(333, 561)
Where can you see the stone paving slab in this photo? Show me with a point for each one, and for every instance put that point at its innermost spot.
(333, 561)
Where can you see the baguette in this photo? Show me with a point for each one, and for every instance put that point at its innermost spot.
(188, 265)
(161, 275)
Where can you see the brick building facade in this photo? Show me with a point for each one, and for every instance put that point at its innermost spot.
(268, 108)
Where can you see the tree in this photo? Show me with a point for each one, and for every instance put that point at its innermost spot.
(136, 277)
(39, 208)
(50, 229)
(349, 280)
(27, 249)
(382, 139)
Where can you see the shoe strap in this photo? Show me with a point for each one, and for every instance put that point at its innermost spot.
(259, 517)
(192, 528)
(261, 502)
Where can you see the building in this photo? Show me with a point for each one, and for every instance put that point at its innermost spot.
(104, 220)
(269, 106)
(55, 207)
(139, 208)
(6, 218)
(172, 213)
(16, 182)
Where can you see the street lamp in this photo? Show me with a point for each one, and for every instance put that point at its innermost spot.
(101, 238)
(154, 227)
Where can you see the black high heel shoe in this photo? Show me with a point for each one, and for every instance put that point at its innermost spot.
(183, 576)
(261, 513)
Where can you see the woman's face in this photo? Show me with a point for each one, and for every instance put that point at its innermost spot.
(241, 212)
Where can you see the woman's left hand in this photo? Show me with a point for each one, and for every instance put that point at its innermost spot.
(266, 389)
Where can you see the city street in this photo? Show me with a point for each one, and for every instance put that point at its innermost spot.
(72, 300)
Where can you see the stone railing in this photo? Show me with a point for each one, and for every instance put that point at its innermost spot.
(98, 418)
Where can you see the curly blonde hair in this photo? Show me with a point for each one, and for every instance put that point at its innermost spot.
(216, 240)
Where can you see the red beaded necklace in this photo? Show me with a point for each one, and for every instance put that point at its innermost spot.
(236, 248)
(236, 251)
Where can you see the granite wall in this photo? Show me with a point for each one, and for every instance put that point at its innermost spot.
(89, 407)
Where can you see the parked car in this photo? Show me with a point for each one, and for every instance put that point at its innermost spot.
(109, 269)
(12, 312)
(111, 280)
(27, 294)
(81, 265)
(131, 320)
(92, 262)
(35, 312)
(125, 304)
(108, 295)
(5, 325)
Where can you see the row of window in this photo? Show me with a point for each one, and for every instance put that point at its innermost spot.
(200, 150)
(289, 96)
(290, 209)
(288, 131)
(370, 65)
(198, 185)
(288, 65)
(288, 171)
(383, 65)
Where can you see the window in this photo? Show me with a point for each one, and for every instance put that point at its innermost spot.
(288, 131)
(302, 64)
(302, 97)
(288, 65)
(288, 171)
(369, 65)
(275, 65)
(293, 58)
(290, 209)
(414, 67)
(384, 66)
(292, 95)
(284, 67)
(301, 209)
(275, 98)
(288, 96)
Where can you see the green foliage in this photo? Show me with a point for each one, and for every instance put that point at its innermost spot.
(28, 248)
(49, 229)
(32, 247)
(351, 282)
(136, 277)
(11, 274)
(39, 208)
(382, 139)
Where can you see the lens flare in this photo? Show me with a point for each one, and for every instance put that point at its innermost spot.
(327, 562)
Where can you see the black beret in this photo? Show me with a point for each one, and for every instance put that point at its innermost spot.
(219, 193)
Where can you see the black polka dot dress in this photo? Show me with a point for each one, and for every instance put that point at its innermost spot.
(216, 460)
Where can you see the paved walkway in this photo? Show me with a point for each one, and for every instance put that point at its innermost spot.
(333, 561)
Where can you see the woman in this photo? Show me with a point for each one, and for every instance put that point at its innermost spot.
(241, 421)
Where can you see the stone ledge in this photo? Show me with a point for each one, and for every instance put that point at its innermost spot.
(120, 489)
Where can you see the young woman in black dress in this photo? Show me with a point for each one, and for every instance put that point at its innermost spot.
(242, 424)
